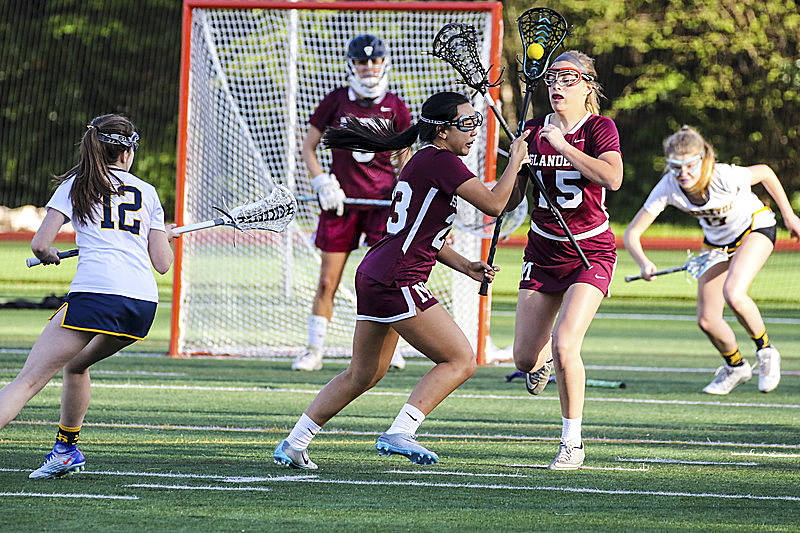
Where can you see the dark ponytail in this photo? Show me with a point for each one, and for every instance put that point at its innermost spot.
(377, 135)
(93, 180)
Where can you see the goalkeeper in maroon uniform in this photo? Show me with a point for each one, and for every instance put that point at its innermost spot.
(393, 300)
(352, 175)
(576, 153)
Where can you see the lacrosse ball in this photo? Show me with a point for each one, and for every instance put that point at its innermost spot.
(535, 51)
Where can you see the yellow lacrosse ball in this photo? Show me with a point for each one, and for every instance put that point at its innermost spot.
(535, 51)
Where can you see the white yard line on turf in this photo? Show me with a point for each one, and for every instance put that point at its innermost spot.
(195, 487)
(215, 477)
(523, 438)
(450, 473)
(683, 462)
(553, 489)
(117, 372)
(138, 386)
(768, 454)
(584, 467)
(66, 495)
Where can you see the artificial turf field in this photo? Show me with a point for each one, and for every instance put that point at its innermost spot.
(187, 444)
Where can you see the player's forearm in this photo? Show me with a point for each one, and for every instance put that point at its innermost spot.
(596, 170)
(633, 243)
(449, 257)
(774, 188)
(312, 163)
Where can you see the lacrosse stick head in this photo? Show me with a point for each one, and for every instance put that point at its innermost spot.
(273, 212)
(699, 265)
(543, 27)
(457, 44)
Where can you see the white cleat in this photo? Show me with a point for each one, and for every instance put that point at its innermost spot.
(568, 458)
(535, 382)
(308, 361)
(728, 377)
(769, 368)
(286, 455)
(398, 362)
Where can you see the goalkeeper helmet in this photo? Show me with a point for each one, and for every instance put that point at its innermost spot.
(368, 51)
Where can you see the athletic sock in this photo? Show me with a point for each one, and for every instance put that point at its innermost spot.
(761, 341)
(303, 432)
(733, 358)
(571, 431)
(407, 420)
(66, 439)
(317, 327)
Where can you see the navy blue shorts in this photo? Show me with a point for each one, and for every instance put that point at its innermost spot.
(108, 313)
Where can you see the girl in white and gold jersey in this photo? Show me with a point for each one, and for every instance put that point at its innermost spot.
(731, 217)
(120, 232)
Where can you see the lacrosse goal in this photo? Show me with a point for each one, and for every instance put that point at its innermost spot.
(252, 72)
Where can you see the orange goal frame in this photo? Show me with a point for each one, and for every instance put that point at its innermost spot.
(495, 8)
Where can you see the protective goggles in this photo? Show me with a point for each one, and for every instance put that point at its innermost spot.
(463, 123)
(566, 77)
(675, 167)
(115, 138)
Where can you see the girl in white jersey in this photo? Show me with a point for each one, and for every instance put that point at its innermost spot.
(120, 232)
(731, 217)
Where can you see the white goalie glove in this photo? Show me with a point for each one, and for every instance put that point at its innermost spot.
(330, 194)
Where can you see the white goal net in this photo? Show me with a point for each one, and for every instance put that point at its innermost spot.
(254, 77)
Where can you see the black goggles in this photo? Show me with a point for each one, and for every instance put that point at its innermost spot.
(463, 123)
(115, 138)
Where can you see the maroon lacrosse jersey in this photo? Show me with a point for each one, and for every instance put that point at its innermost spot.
(422, 214)
(582, 202)
(361, 175)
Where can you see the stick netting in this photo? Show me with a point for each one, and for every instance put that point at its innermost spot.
(256, 76)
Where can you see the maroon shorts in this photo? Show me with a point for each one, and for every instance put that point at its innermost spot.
(552, 266)
(377, 302)
(343, 234)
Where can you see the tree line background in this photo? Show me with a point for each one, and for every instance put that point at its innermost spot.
(729, 68)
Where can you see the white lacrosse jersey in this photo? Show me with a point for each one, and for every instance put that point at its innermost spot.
(731, 209)
(113, 255)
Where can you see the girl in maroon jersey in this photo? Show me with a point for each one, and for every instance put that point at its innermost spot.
(390, 282)
(576, 153)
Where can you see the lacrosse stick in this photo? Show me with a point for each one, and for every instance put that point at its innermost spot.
(33, 261)
(509, 222)
(457, 44)
(273, 213)
(351, 201)
(696, 266)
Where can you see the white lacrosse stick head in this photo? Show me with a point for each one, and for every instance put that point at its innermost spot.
(699, 265)
(273, 213)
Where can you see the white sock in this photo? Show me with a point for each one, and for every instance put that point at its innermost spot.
(407, 421)
(317, 327)
(302, 433)
(571, 431)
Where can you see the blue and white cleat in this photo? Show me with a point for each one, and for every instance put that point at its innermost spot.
(405, 444)
(59, 465)
(288, 456)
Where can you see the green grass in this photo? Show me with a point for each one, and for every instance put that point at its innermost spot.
(222, 417)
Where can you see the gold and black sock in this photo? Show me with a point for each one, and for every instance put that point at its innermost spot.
(67, 436)
(762, 341)
(733, 358)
